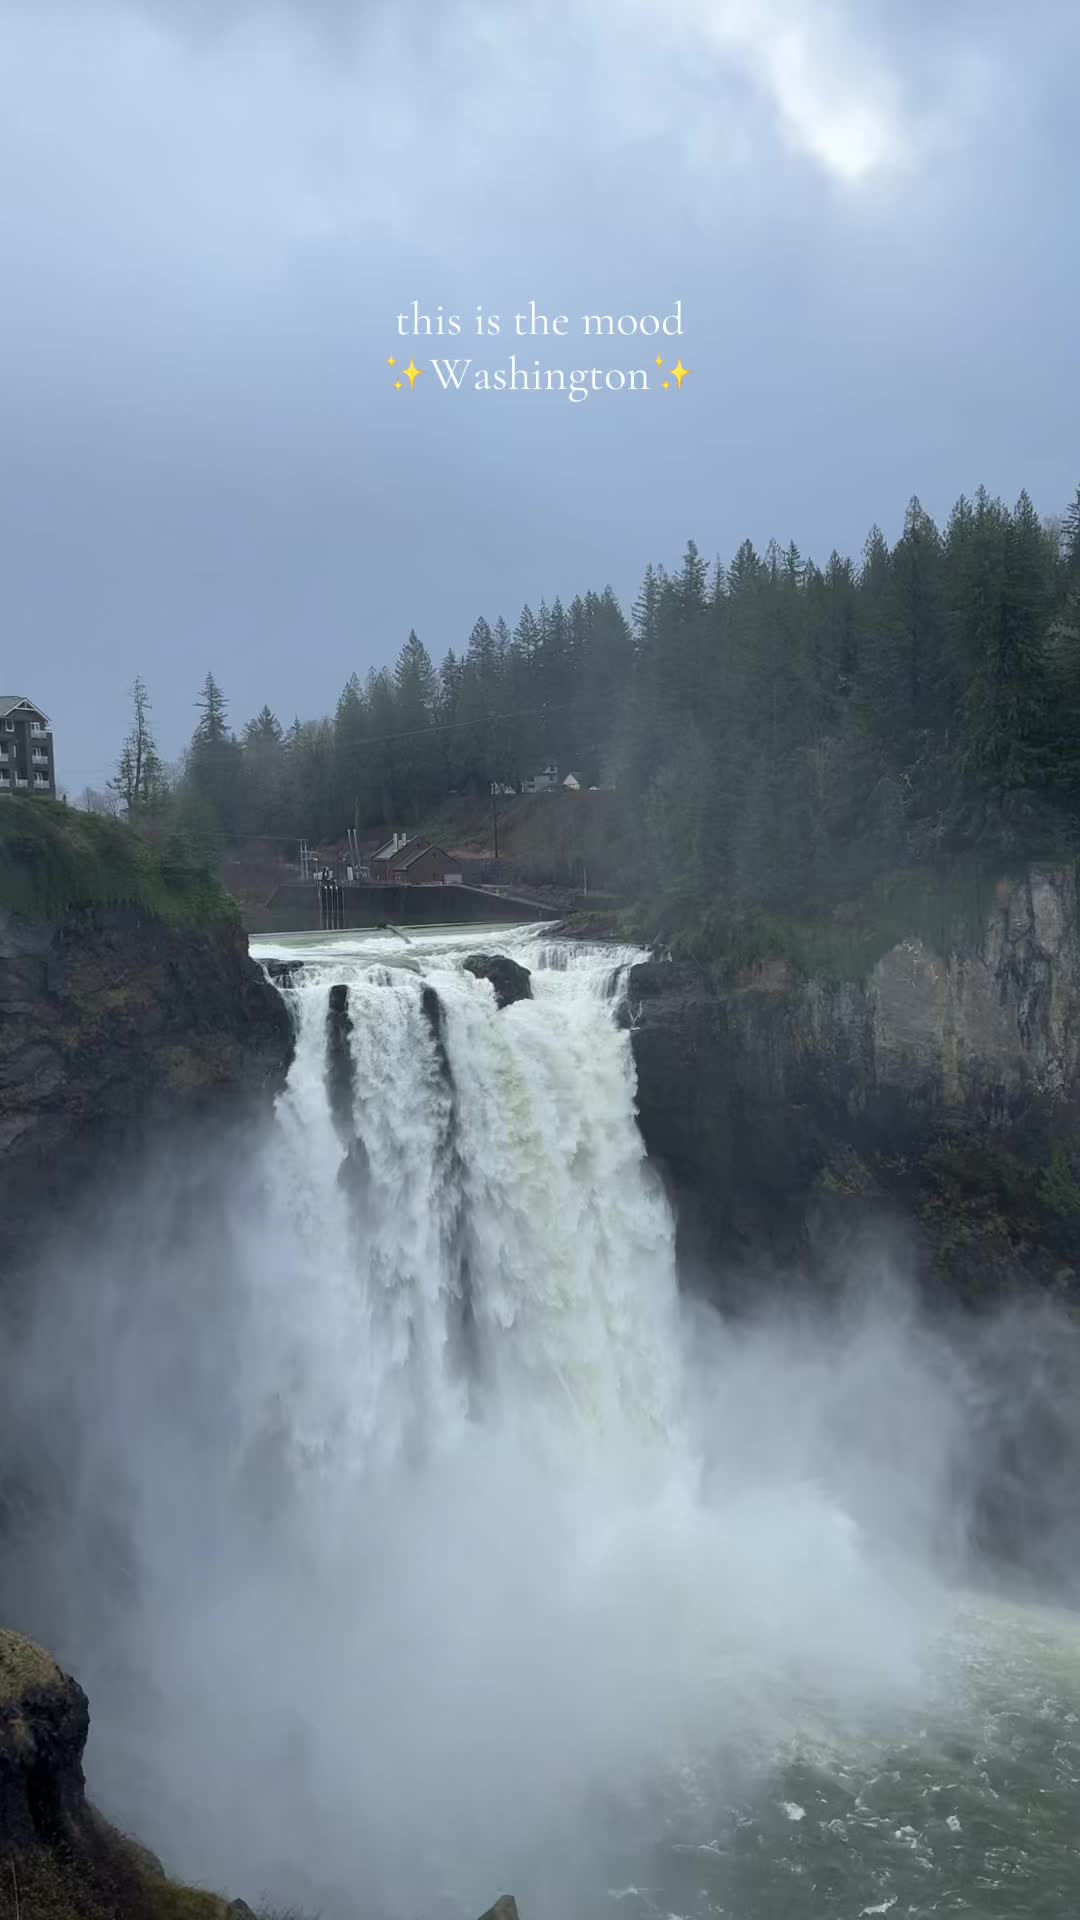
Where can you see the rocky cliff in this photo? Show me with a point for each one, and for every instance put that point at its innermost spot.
(114, 1025)
(941, 1089)
(59, 1859)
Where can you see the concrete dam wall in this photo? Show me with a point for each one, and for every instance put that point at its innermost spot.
(296, 907)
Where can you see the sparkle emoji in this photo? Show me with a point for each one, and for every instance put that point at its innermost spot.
(411, 373)
(678, 373)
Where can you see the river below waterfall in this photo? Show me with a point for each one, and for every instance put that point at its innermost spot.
(459, 1552)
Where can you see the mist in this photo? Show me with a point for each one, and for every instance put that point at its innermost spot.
(377, 1621)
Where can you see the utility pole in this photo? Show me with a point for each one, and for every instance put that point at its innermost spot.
(494, 818)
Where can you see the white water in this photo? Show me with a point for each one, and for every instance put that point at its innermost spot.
(512, 1190)
(455, 1553)
(477, 1351)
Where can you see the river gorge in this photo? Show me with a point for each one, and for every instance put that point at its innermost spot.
(378, 1455)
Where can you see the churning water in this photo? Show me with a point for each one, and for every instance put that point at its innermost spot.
(424, 1544)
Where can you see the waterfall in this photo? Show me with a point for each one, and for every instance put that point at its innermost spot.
(424, 1541)
(479, 1235)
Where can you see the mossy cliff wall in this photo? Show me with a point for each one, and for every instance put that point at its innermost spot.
(114, 1028)
(941, 1088)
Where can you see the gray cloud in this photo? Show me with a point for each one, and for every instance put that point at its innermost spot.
(211, 214)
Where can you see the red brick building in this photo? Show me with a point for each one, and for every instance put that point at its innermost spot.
(418, 864)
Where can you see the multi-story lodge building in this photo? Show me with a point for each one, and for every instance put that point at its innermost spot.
(26, 748)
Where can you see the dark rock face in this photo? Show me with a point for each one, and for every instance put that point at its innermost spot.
(943, 1094)
(510, 980)
(435, 1017)
(285, 972)
(339, 1064)
(60, 1857)
(734, 1106)
(113, 1026)
(44, 1719)
(58, 1853)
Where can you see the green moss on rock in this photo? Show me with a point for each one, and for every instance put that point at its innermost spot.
(107, 1884)
(55, 861)
(23, 1667)
(71, 1864)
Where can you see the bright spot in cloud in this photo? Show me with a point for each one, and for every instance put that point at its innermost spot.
(831, 91)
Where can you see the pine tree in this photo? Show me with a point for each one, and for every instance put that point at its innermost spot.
(646, 606)
(1006, 709)
(266, 808)
(1070, 544)
(414, 710)
(214, 763)
(140, 777)
(212, 727)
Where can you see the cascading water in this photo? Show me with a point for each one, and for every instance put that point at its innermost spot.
(480, 1235)
(424, 1542)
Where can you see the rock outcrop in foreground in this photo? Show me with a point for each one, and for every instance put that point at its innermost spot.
(944, 1089)
(59, 1860)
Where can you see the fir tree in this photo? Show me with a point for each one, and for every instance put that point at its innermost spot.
(140, 777)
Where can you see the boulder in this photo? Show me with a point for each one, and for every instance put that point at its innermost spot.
(59, 1857)
(61, 1860)
(510, 980)
(44, 1720)
(284, 972)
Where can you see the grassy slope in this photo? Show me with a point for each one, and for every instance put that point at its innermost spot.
(54, 860)
(113, 1886)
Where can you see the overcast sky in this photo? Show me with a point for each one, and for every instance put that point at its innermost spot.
(212, 210)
